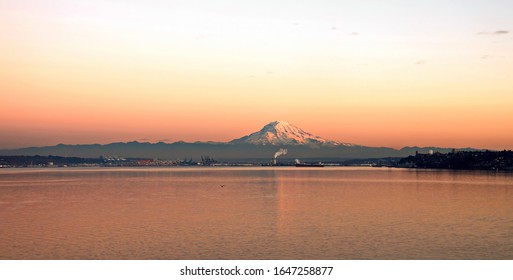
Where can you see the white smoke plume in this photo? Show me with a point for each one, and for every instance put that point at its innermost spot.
(280, 152)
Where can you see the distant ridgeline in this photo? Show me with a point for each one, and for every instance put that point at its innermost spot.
(470, 160)
(45, 161)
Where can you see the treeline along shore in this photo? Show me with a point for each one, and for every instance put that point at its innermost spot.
(463, 160)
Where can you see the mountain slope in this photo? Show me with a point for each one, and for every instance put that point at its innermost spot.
(258, 146)
(283, 133)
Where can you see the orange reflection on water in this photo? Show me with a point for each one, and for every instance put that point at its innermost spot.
(259, 213)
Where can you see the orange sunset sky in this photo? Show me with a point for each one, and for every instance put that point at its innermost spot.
(376, 73)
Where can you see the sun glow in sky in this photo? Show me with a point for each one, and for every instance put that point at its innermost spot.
(377, 73)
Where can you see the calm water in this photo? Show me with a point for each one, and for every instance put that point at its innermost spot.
(260, 213)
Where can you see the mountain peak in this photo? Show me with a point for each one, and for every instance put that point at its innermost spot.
(283, 133)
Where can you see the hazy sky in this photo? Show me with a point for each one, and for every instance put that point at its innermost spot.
(378, 73)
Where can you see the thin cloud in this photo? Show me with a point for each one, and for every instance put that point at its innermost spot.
(488, 56)
(420, 62)
(354, 33)
(498, 32)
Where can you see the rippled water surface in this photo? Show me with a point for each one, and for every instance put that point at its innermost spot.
(260, 213)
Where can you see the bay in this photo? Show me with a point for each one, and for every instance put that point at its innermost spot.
(255, 213)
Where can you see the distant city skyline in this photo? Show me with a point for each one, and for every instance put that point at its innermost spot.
(394, 74)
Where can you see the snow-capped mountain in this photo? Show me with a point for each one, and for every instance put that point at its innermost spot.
(283, 133)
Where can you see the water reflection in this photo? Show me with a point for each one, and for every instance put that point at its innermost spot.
(260, 213)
